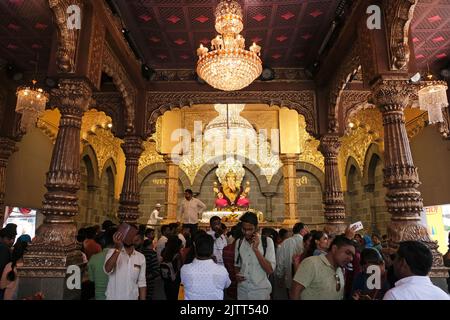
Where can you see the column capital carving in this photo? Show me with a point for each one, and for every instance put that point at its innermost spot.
(72, 97)
(171, 159)
(289, 158)
(132, 147)
(391, 95)
(330, 145)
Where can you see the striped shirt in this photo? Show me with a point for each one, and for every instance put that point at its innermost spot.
(151, 271)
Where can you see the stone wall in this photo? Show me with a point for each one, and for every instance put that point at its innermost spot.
(309, 198)
(367, 203)
(153, 191)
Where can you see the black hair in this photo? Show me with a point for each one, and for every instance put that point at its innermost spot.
(192, 252)
(340, 241)
(4, 233)
(173, 226)
(90, 233)
(214, 218)
(17, 254)
(204, 246)
(146, 243)
(81, 236)
(223, 226)
(188, 191)
(107, 224)
(141, 229)
(164, 228)
(315, 235)
(417, 255)
(298, 227)
(173, 246)
(236, 231)
(148, 231)
(306, 237)
(371, 256)
(283, 233)
(249, 217)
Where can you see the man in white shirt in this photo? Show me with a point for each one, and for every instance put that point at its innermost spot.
(254, 261)
(220, 240)
(154, 216)
(290, 247)
(412, 264)
(126, 270)
(203, 279)
(190, 210)
(161, 244)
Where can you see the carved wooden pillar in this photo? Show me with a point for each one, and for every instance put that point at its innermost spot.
(290, 188)
(403, 199)
(7, 148)
(333, 197)
(129, 198)
(171, 188)
(54, 247)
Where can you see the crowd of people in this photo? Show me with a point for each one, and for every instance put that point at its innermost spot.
(130, 262)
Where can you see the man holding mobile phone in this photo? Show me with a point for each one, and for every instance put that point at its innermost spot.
(254, 261)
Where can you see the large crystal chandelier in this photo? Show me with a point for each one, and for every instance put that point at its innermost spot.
(433, 98)
(229, 125)
(229, 66)
(31, 103)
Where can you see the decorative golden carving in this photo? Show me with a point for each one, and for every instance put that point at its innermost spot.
(398, 16)
(416, 125)
(367, 129)
(67, 38)
(353, 101)
(112, 67)
(149, 156)
(48, 128)
(96, 51)
(302, 101)
(309, 147)
(105, 146)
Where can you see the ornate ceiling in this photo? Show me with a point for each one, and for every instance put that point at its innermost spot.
(431, 33)
(169, 31)
(26, 28)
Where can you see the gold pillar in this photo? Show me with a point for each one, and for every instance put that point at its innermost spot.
(403, 199)
(290, 188)
(333, 197)
(54, 247)
(7, 148)
(171, 188)
(129, 197)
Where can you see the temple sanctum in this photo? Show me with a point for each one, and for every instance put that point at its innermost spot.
(324, 112)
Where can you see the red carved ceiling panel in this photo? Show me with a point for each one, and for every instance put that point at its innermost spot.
(26, 28)
(431, 33)
(169, 32)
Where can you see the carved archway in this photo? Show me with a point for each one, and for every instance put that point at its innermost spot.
(398, 16)
(301, 166)
(88, 152)
(161, 167)
(351, 162)
(109, 164)
(373, 150)
(304, 102)
(212, 164)
(344, 73)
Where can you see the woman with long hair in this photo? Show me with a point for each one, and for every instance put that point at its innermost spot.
(9, 279)
(319, 244)
(170, 267)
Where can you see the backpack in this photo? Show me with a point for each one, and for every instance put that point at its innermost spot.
(168, 270)
(264, 245)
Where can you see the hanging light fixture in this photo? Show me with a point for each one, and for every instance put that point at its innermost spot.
(31, 102)
(229, 66)
(433, 98)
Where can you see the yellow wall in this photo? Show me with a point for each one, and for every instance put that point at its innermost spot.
(25, 175)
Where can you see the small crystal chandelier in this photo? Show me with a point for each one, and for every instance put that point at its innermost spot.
(31, 103)
(433, 98)
(229, 66)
